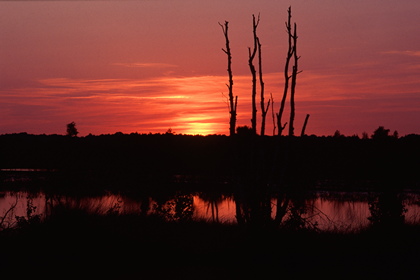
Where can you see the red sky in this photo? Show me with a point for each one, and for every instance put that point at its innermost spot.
(146, 66)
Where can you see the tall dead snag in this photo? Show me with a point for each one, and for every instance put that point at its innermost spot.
(295, 72)
(264, 109)
(304, 125)
(233, 102)
(272, 113)
(254, 74)
(287, 77)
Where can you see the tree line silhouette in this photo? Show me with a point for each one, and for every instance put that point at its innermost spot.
(219, 158)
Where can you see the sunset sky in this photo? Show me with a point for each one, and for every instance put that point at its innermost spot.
(149, 65)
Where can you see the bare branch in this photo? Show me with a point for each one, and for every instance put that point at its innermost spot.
(284, 126)
(272, 113)
(268, 106)
(287, 77)
(293, 85)
(232, 102)
(254, 75)
(2, 219)
(304, 125)
(263, 109)
(227, 100)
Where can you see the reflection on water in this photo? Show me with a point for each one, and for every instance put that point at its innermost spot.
(222, 210)
(324, 210)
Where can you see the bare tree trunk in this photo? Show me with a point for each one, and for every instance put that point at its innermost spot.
(304, 125)
(272, 114)
(254, 74)
(280, 126)
(264, 109)
(293, 86)
(233, 102)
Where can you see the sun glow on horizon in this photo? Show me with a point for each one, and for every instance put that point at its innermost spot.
(201, 128)
(195, 105)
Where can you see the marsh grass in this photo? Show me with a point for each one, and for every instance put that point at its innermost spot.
(75, 240)
(77, 237)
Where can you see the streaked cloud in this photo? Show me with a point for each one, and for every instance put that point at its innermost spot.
(197, 104)
(145, 65)
(407, 53)
(187, 104)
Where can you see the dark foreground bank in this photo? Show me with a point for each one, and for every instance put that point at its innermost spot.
(80, 245)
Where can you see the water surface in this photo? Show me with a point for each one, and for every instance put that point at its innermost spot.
(339, 211)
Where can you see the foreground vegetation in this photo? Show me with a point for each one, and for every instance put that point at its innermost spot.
(73, 243)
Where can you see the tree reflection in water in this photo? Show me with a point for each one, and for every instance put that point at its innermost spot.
(338, 211)
(179, 207)
(387, 209)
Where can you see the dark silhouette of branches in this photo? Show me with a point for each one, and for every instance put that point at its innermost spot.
(251, 56)
(295, 72)
(290, 78)
(233, 101)
(291, 53)
(287, 77)
(304, 125)
(273, 114)
(264, 108)
(4, 218)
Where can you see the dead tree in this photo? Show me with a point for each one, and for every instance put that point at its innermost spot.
(295, 72)
(292, 105)
(264, 108)
(272, 113)
(254, 74)
(233, 101)
(291, 52)
(287, 77)
(304, 125)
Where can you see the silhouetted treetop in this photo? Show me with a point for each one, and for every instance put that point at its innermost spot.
(72, 130)
(245, 131)
(381, 133)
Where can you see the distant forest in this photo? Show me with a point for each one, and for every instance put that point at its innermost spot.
(219, 160)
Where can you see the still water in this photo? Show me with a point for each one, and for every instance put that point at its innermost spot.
(339, 211)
